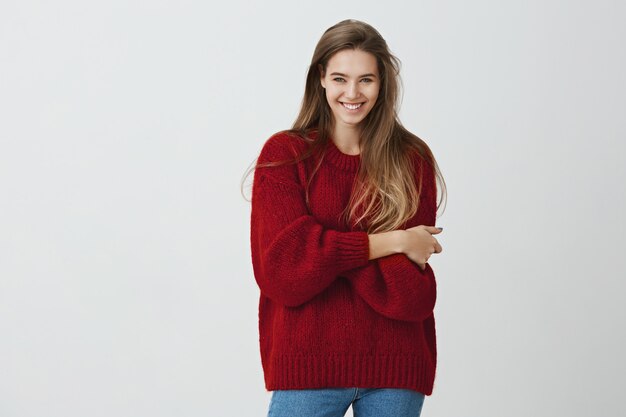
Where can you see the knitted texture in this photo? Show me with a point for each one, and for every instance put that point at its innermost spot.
(329, 316)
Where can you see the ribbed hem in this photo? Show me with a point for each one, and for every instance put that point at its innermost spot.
(308, 371)
(342, 160)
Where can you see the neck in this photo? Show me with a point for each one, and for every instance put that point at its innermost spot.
(347, 139)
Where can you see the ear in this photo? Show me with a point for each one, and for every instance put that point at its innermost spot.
(321, 71)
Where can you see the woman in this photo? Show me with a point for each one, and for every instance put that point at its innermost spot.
(342, 223)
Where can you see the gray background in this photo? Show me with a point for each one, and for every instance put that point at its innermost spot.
(126, 286)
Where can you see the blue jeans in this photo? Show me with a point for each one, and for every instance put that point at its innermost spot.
(334, 402)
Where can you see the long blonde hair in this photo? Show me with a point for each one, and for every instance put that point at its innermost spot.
(385, 195)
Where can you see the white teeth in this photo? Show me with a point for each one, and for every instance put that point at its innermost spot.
(352, 106)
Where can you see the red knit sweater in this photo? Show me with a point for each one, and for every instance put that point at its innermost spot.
(328, 316)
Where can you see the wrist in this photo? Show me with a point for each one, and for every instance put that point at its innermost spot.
(386, 243)
(399, 241)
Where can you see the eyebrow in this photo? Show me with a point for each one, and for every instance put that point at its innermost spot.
(344, 75)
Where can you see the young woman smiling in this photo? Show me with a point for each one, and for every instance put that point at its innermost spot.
(342, 222)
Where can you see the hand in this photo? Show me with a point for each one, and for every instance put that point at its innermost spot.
(419, 244)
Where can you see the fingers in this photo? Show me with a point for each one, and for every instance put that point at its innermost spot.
(429, 229)
(438, 248)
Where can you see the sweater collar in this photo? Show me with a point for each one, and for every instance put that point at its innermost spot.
(341, 160)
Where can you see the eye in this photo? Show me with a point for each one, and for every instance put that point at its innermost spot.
(337, 78)
(369, 80)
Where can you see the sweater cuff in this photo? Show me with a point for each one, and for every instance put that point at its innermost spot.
(354, 250)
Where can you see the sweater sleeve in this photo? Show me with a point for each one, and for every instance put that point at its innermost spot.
(395, 286)
(294, 257)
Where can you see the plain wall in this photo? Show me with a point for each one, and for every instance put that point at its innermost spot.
(126, 285)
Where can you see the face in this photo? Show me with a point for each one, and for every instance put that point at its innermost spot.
(352, 84)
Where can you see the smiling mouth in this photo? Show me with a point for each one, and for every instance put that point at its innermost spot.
(351, 106)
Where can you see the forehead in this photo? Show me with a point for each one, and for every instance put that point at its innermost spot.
(353, 62)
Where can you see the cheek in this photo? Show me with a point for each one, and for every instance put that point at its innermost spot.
(375, 93)
(372, 99)
(331, 94)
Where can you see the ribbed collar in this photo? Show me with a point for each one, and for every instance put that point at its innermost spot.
(341, 160)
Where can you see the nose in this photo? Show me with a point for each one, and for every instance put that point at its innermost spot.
(352, 91)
